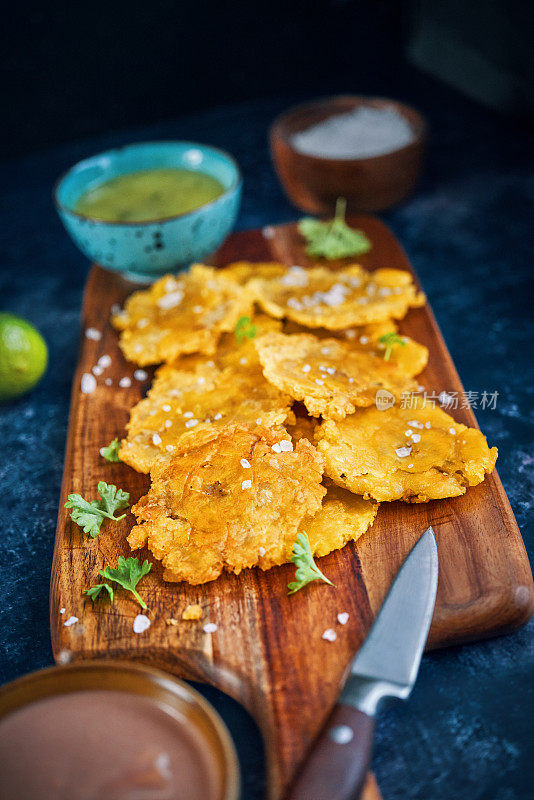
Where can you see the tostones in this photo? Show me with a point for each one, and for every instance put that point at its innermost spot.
(327, 375)
(414, 454)
(177, 315)
(237, 496)
(180, 404)
(410, 356)
(322, 298)
(343, 517)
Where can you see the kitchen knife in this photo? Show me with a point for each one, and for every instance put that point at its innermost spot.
(385, 666)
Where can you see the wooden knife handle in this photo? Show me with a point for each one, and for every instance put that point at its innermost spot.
(337, 764)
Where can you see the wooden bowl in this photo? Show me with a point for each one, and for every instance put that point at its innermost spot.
(313, 183)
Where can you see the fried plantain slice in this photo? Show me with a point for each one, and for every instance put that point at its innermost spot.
(343, 517)
(237, 496)
(330, 377)
(414, 454)
(242, 272)
(180, 404)
(177, 315)
(411, 357)
(321, 298)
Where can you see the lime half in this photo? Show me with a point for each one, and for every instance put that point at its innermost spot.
(23, 356)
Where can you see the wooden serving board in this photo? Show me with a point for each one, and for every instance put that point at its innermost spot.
(267, 651)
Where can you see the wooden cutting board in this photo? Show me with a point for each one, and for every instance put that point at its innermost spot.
(267, 651)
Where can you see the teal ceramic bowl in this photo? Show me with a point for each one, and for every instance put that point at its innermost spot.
(145, 250)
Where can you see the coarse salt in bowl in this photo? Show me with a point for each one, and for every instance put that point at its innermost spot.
(367, 150)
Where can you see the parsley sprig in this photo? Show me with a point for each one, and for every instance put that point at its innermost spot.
(307, 570)
(244, 329)
(128, 574)
(333, 239)
(389, 340)
(94, 591)
(111, 451)
(90, 514)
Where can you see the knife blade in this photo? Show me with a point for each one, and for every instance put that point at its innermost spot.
(385, 666)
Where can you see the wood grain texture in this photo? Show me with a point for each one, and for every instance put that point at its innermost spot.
(268, 652)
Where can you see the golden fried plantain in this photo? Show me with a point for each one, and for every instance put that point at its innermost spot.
(321, 298)
(414, 454)
(180, 404)
(237, 496)
(331, 378)
(186, 314)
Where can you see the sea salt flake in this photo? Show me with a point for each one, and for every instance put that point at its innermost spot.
(427, 425)
(142, 323)
(97, 370)
(244, 463)
(141, 623)
(125, 382)
(140, 375)
(262, 551)
(216, 416)
(268, 232)
(62, 610)
(246, 484)
(156, 438)
(166, 407)
(452, 431)
(330, 635)
(201, 380)
(319, 381)
(343, 618)
(191, 423)
(286, 446)
(169, 448)
(168, 423)
(70, 621)
(108, 381)
(92, 333)
(306, 368)
(188, 414)
(210, 627)
(276, 447)
(403, 452)
(258, 421)
(415, 424)
(331, 370)
(408, 432)
(171, 300)
(416, 437)
(88, 383)
(295, 276)
(325, 351)
(243, 360)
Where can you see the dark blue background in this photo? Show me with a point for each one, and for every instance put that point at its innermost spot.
(467, 730)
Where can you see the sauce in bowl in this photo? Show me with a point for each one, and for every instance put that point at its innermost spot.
(151, 194)
(107, 744)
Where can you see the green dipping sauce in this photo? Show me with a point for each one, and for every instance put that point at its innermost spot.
(149, 195)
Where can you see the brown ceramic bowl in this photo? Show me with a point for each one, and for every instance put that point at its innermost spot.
(313, 184)
(134, 679)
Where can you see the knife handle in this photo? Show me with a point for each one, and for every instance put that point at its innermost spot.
(337, 764)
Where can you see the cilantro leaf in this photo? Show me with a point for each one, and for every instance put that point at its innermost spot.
(389, 340)
(128, 574)
(94, 591)
(90, 514)
(244, 329)
(111, 451)
(333, 239)
(113, 499)
(307, 570)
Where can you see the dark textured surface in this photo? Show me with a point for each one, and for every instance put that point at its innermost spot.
(467, 731)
